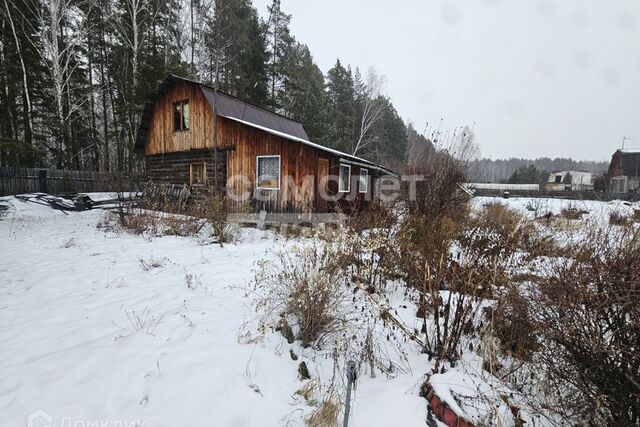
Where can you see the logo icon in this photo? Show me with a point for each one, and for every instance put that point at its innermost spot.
(39, 418)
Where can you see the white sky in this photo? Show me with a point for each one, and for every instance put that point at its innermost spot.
(539, 77)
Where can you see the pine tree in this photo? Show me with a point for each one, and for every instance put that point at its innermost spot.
(282, 52)
(302, 96)
(342, 112)
(236, 54)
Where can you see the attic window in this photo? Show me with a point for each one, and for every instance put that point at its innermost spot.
(268, 172)
(180, 116)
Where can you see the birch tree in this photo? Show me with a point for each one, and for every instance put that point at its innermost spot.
(25, 84)
(60, 34)
(372, 110)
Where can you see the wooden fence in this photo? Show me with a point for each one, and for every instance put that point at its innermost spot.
(60, 182)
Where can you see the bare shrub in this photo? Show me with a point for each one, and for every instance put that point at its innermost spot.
(305, 286)
(144, 321)
(192, 281)
(376, 216)
(313, 293)
(586, 311)
(617, 218)
(450, 295)
(573, 213)
(157, 213)
(493, 234)
(135, 217)
(511, 322)
(69, 243)
(213, 206)
(151, 263)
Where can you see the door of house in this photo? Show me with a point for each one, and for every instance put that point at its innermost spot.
(322, 175)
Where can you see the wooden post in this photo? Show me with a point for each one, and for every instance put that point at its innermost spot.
(42, 181)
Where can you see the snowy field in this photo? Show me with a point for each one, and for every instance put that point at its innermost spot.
(70, 297)
(99, 326)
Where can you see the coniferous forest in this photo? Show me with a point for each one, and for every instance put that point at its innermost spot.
(75, 75)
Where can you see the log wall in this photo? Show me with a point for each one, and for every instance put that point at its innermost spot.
(174, 168)
(302, 166)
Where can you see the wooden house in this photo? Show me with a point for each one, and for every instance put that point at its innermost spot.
(192, 134)
(624, 171)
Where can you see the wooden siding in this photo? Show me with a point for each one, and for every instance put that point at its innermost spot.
(297, 167)
(302, 167)
(162, 139)
(299, 171)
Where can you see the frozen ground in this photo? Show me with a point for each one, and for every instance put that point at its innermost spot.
(595, 211)
(98, 326)
(71, 294)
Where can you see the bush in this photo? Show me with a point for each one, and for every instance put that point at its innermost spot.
(305, 289)
(617, 218)
(213, 206)
(510, 321)
(587, 313)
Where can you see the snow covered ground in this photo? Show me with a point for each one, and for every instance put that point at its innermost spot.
(596, 211)
(70, 298)
(100, 326)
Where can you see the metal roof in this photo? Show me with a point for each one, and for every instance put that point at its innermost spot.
(233, 108)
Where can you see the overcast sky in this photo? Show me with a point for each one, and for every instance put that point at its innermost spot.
(539, 77)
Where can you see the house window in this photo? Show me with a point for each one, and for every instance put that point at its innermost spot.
(198, 173)
(180, 116)
(268, 172)
(364, 180)
(344, 179)
(558, 179)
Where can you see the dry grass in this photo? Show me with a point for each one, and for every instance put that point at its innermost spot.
(303, 284)
(326, 415)
(69, 243)
(617, 218)
(151, 263)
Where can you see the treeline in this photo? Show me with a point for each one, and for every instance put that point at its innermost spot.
(75, 75)
(504, 170)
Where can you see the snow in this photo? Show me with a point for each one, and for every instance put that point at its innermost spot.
(71, 294)
(597, 211)
(68, 290)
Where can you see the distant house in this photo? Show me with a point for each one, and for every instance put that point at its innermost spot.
(624, 171)
(191, 134)
(570, 181)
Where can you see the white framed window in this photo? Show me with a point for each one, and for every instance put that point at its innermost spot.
(268, 172)
(364, 181)
(198, 173)
(344, 179)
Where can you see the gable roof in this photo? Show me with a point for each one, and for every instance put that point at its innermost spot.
(232, 108)
(629, 162)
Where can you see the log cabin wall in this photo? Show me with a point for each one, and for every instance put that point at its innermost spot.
(170, 153)
(175, 168)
